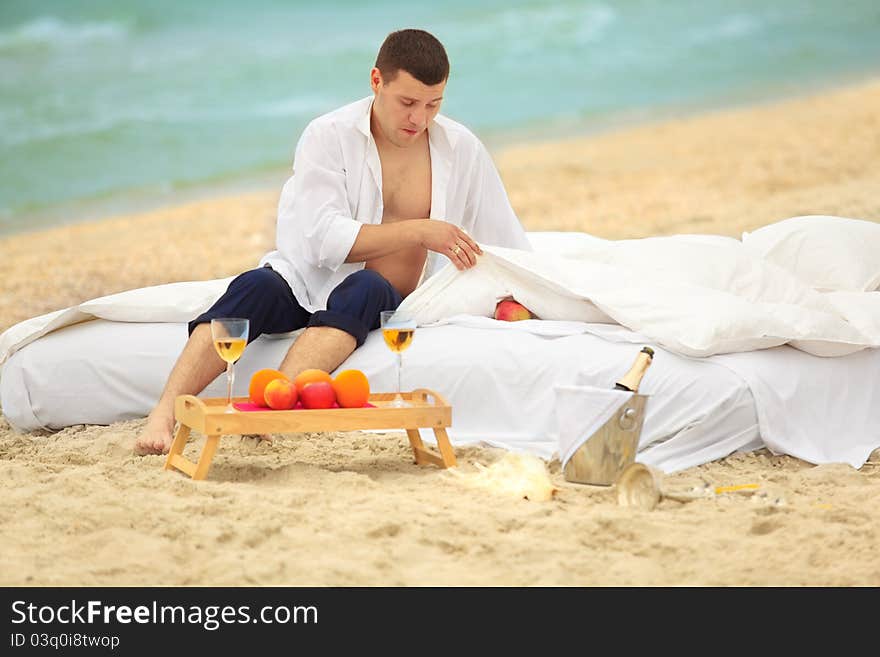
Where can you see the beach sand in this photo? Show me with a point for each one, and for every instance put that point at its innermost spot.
(351, 509)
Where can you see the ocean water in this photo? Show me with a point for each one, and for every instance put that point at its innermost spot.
(121, 100)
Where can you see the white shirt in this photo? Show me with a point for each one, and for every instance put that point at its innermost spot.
(337, 187)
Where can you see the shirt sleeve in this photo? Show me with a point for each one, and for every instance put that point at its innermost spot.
(489, 217)
(314, 218)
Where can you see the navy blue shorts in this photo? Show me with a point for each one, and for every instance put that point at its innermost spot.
(265, 298)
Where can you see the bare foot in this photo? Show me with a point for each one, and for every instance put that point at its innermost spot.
(156, 437)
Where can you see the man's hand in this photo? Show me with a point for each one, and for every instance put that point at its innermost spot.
(451, 241)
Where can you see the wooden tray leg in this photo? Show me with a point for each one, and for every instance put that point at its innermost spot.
(445, 448)
(416, 441)
(423, 455)
(207, 456)
(175, 459)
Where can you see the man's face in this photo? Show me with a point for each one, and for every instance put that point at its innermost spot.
(404, 107)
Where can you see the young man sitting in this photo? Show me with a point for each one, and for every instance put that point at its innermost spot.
(384, 192)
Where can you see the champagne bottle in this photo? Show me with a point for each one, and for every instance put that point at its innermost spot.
(631, 380)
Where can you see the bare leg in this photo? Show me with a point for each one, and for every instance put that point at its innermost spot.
(195, 368)
(320, 347)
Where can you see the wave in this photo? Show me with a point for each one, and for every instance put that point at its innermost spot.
(735, 26)
(294, 106)
(51, 32)
(305, 107)
(550, 35)
(575, 25)
(534, 28)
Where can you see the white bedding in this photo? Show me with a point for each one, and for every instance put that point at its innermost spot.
(702, 302)
(498, 377)
(694, 296)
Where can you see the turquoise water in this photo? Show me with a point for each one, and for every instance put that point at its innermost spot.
(128, 99)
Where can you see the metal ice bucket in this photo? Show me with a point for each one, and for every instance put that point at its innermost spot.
(604, 455)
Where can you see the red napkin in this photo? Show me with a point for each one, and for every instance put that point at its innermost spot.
(248, 407)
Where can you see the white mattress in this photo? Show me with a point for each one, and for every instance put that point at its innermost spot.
(500, 379)
(500, 383)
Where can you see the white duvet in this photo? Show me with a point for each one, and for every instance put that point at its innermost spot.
(694, 295)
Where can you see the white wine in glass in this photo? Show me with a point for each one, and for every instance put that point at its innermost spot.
(230, 336)
(398, 330)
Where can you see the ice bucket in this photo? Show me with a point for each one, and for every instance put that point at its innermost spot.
(600, 456)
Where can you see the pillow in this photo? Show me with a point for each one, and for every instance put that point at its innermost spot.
(830, 254)
(171, 302)
(716, 262)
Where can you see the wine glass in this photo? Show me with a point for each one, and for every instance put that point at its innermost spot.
(398, 330)
(230, 336)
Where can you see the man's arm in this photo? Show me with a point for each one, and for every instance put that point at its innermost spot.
(375, 241)
(315, 222)
(314, 217)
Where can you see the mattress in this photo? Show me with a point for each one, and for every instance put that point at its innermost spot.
(499, 379)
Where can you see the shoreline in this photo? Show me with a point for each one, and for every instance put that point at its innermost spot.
(578, 129)
(270, 179)
(137, 202)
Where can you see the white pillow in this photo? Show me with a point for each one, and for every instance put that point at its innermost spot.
(827, 253)
(171, 302)
(716, 262)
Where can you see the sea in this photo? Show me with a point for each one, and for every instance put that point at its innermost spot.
(109, 105)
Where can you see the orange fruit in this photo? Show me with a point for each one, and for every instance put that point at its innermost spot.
(310, 376)
(352, 388)
(259, 381)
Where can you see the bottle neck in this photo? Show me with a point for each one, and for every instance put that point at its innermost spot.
(633, 378)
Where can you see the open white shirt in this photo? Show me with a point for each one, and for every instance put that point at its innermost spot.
(337, 187)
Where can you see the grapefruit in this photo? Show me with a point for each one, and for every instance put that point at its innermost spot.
(352, 388)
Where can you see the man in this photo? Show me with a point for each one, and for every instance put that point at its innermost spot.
(384, 192)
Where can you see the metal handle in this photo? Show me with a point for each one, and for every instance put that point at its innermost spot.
(627, 419)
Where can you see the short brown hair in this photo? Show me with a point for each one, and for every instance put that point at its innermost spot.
(417, 52)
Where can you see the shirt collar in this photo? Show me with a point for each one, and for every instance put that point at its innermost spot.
(438, 134)
(363, 121)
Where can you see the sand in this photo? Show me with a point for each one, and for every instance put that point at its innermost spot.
(341, 509)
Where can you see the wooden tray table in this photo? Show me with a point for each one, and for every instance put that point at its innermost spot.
(210, 417)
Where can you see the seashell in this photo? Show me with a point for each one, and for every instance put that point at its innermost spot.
(516, 475)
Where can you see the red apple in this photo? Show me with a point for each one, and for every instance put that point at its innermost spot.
(318, 395)
(280, 394)
(509, 310)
